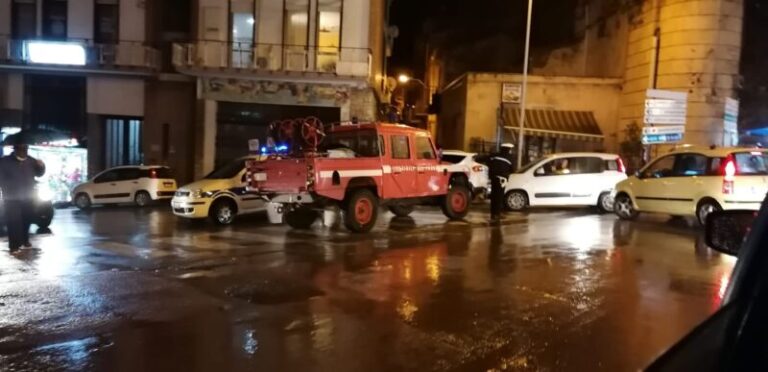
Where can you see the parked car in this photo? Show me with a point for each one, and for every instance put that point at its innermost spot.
(140, 185)
(734, 337)
(696, 182)
(467, 161)
(43, 213)
(220, 196)
(578, 178)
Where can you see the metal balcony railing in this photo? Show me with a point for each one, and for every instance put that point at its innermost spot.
(120, 55)
(353, 62)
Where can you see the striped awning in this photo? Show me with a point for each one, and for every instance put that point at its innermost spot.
(578, 125)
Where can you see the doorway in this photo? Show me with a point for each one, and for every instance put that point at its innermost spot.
(122, 141)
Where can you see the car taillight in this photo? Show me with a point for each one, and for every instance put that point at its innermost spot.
(152, 173)
(729, 175)
(620, 165)
(477, 168)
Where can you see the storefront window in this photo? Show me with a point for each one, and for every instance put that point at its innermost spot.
(328, 34)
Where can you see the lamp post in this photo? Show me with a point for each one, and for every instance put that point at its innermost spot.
(405, 79)
(521, 131)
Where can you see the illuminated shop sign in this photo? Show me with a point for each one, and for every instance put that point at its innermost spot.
(56, 53)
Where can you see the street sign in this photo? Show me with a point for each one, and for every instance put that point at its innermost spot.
(665, 107)
(652, 139)
(511, 92)
(665, 129)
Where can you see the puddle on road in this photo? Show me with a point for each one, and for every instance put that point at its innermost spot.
(270, 292)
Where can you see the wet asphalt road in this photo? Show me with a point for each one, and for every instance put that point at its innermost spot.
(121, 289)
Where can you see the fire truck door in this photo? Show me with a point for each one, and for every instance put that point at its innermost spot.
(399, 169)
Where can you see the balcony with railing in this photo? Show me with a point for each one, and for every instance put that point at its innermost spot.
(300, 60)
(120, 57)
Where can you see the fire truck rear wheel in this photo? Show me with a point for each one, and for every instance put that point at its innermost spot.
(361, 208)
(301, 218)
(455, 203)
(401, 210)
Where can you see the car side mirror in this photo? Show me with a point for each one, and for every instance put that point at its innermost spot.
(727, 230)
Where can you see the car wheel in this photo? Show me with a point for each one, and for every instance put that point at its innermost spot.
(624, 208)
(456, 202)
(361, 211)
(516, 200)
(401, 210)
(301, 218)
(705, 208)
(82, 201)
(605, 203)
(142, 199)
(223, 212)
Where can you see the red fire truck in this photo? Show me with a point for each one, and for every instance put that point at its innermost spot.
(358, 168)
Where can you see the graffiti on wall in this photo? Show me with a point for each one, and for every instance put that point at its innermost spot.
(274, 92)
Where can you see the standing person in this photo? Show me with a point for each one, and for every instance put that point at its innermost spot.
(17, 181)
(499, 169)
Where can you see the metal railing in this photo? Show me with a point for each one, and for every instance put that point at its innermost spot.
(120, 55)
(354, 62)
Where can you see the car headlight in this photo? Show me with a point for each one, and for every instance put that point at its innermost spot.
(197, 194)
(44, 193)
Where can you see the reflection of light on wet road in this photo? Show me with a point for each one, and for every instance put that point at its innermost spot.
(406, 308)
(583, 232)
(433, 267)
(250, 343)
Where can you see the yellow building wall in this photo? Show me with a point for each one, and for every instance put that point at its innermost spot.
(601, 96)
(699, 49)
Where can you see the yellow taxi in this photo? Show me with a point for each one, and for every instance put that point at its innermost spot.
(695, 182)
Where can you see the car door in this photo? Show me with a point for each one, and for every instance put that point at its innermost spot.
(429, 180)
(127, 184)
(654, 182)
(104, 189)
(399, 171)
(552, 183)
(584, 180)
(248, 202)
(687, 182)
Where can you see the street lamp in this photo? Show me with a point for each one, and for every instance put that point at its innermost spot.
(405, 79)
(521, 132)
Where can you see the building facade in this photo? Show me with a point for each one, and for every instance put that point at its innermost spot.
(256, 62)
(562, 113)
(185, 83)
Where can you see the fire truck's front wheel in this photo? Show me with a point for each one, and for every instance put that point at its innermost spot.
(301, 218)
(455, 204)
(360, 211)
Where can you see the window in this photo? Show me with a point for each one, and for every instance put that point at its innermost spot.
(123, 142)
(424, 148)
(243, 24)
(575, 165)
(381, 145)
(660, 168)
(128, 174)
(162, 173)
(453, 159)
(55, 19)
(690, 165)
(328, 34)
(106, 17)
(364, 143)
(109, 176)
(400, 147)
(24, 19)
(228, 171)
(611, 165)
(751, 163)
(296, 34)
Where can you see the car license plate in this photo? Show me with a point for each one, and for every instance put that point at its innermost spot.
(260, 177)
(168, 184)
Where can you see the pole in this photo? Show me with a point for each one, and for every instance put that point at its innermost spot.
(521, 131)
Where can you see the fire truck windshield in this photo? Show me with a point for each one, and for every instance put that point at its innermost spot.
(227, 171)
(365, 143)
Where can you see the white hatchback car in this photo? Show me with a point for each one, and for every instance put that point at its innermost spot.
(220, 196)
(478, 173)
(128, 184)
(578, 178)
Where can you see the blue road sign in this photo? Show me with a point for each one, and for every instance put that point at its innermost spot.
(650, 139)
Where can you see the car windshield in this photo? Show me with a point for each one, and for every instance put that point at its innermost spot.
(228, 171)
(364, 143)
(751, 163)
(455, 159)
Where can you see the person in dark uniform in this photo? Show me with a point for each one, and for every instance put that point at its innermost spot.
(17, 182)
(500, 167)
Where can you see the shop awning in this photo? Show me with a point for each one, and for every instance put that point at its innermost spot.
(578, 125)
